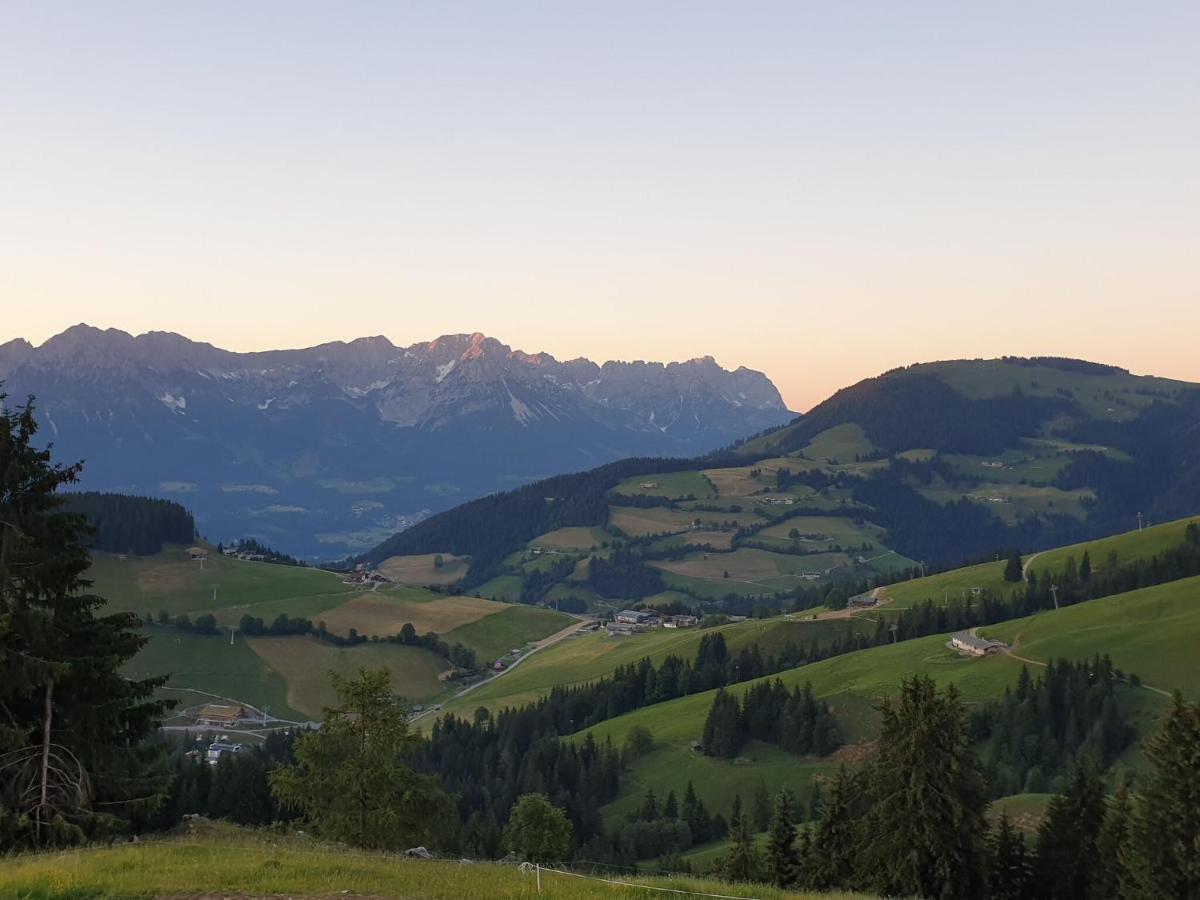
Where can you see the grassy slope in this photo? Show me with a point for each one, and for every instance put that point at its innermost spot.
(305, 664)
(224, 861)
(383, 614)
(211, 664)
(169, 580)
(1127, 546)
(290, 675)
(421, 569)
(990, 576)
(494, 635)
(578, 660)
(1150, 632)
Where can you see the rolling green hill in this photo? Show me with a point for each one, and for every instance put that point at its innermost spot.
(290, 675)
(956, 583)
(590, 656)
(1153, 630)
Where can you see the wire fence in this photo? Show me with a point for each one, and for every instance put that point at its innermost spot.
(537, 870)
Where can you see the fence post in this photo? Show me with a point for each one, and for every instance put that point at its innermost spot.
(539, 876)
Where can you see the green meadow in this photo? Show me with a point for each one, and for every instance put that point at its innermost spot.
(222, 861)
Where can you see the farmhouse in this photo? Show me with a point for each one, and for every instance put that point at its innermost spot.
(862, 601)
(619, 629)
(220, 715)
(965, 642)
(197, 553)
(633, 617)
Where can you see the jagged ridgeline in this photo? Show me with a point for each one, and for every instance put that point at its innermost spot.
(125, 524)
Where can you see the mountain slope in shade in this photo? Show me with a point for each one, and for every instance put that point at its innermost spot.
(328, 449)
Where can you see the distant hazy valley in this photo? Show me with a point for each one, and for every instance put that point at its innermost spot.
(329, 450)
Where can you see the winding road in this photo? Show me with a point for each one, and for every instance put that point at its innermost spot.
(538, 645)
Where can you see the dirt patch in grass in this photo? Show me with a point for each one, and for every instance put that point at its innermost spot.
(854, 754)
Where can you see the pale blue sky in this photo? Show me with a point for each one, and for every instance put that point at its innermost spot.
(821, 191)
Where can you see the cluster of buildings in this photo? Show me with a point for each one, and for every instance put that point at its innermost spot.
(235, 553)
(364, 576)
(631, 621)
(775, 501)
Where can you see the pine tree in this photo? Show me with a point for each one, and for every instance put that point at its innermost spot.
(783, 859)
(1067, 855)
(723, 735)
(1085, 567)
(835, 844)
(762, 806)
(743, 862)
(670, 808)
(1013, 571)
(1162, 855)
(73, 762)
(346, 779)
(1008, 865)
(926, 819)
(649, 810)
(735, 813)
(1110, 846)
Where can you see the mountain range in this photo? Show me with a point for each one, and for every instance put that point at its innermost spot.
(327, 450)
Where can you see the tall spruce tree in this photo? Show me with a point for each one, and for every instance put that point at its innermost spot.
(1067, 857)
(926, 823)
(744, 863)
(723, 734)
(830, 862)
(1109, 877)
(73, 761)
(1013, 570)
(1008, 863)
(783, 859)
(1162, 855)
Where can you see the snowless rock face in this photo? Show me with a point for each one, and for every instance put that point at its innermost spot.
(359, 435)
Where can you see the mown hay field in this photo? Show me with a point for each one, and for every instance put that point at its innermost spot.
(306, 663)
(381, 614)
(422, 569)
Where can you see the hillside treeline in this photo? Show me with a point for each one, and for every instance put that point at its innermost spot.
(794, 720)
(1037, 731)
(126, 524)
(912, 821)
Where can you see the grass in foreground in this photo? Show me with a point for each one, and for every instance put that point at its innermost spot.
(236, 863)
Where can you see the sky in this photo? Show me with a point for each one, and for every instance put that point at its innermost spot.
(821, 191)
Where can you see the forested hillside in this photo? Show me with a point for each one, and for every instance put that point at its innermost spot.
(125, 524)
(924, 467)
